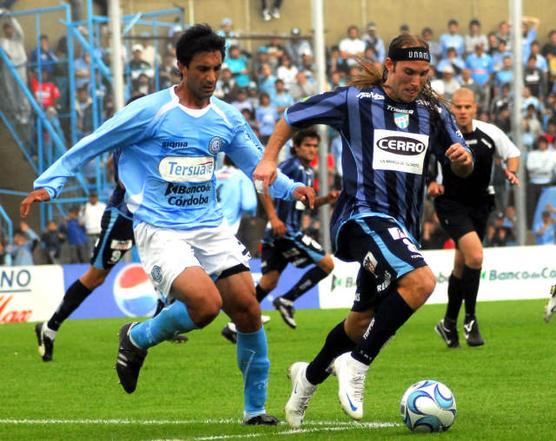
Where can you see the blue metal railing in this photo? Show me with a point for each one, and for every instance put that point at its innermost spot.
(7, 227)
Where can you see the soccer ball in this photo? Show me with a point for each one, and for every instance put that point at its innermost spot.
(428, 406)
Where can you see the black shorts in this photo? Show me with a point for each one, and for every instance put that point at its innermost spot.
(385, 252)
(116, 238)
(458, 219)
(300, 250)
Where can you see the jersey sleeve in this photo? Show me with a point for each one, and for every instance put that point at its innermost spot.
(447, 134)
(505, 148)
(126, 127)
(246, 151)
(248, 196)
(328, 108)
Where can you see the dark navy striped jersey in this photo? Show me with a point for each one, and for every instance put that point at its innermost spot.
(290, 212)
(116, 199)
(386, 149)
(486, 142)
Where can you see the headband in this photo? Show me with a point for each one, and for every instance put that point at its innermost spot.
(409, 54)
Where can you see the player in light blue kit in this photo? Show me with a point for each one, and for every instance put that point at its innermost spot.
(169, 143)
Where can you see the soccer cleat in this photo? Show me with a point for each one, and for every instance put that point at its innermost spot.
(45, 343)
(263, 419)
(472, 334)
(179, 338)
(302, 391)
(448, 333)
(351, 384)
(265, 319)
(129, 361)
(229, 332)
(275, 13)
(286, 310)
(550, 307)
(266, 15)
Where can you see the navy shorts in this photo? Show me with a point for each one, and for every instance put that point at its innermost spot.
(300, 250)
(385, 252)
(116, 238)
(458, 219)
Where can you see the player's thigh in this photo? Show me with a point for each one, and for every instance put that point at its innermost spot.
(357, 322)
(416, 286)
(115, 240)
(196, 289)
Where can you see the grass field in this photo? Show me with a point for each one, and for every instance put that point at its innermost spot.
(504, 390)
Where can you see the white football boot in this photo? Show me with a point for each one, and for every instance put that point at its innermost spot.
(302, 391)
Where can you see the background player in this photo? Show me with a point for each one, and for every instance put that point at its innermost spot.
(463, 207)
(169, 142)
(389, 121)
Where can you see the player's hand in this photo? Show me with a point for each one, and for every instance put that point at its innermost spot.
(306, 195)
(279, 228)
(332, 196)
(511, 177)
(460, 158)
(435, 189)
(39, 195)
(265, 172)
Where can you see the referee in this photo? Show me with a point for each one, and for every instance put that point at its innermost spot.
(463, 207)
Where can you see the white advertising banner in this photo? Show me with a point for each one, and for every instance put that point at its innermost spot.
(508, 273)
(30, 293)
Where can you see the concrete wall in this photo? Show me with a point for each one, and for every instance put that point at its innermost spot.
(339, 14)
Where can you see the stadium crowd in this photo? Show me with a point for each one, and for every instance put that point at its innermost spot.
(264, 82)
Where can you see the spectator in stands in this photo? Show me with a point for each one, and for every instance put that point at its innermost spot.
(373, 40)
(452, 39)
(249, 116)
(498, 54)
(475, 36)
(24, 242)
(267, 116)
(297, 47)
(453, 60)
(168, 72)
(541, 60)
(540, 166)
(225, 84)
(450, 83)
(270, 9)
(5, 257)
(545, 229)
(48, 58)
(352, 47)
(504, 34)
(281, 98)
(504, 75)
(530, 99)
(253, 94)
(90, 216)
(434, 237)
(480, 64)
(529, 26)
(143, 85)
(427, 34)
(46, 92)
(286, 71)
(302, 87)
(549, 48)
(138, 66)
(84, 111)
(14, 101)
(335, 62)
(241, 102)
(498, 235)
(237, 63)
(82, 67)
(467, 81)
(275, 51)
(533, 123)
(510, 223)
(76, 237)
(502, 99)
(550, 133)
(534, 78)
(51, 243)
(266, 79)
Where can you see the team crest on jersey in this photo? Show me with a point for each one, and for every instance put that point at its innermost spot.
(401, 120)
(214, 145)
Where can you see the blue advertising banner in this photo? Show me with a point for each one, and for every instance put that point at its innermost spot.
(128, 291)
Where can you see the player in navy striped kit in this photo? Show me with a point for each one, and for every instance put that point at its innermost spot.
(390, 122)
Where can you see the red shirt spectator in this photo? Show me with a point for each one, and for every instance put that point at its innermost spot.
(46, 92)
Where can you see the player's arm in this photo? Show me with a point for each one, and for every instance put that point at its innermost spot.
(458, 154)
(279, 229)
(507, 150)
(461, 160)
(330, 198)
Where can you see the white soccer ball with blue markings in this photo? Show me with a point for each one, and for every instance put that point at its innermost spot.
(428, 406)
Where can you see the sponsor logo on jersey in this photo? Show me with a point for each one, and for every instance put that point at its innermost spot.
(399, 151)
(402, 145)
(121, 245)
(174, 144)
(370, 262)
(188, 195)
(186, 169)
(215, 144)
(186, 189)
(398, 110)
(373, 95)
(401, 120)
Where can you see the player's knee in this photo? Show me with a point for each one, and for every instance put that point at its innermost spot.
(475, 259)
(207, 312)
(356, 325)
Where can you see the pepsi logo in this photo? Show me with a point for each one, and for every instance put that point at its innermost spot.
(133, 291)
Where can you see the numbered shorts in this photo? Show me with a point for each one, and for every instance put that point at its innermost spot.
(458, 219)
(385, 252)
(300, 250)
(165, 253)
(116, 239)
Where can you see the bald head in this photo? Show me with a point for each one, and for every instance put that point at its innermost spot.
(464, 108)
(463, 93)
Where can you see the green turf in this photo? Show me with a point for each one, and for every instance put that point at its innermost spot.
(504, 390)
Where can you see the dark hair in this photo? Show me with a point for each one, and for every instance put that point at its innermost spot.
(198, 38)
(300, 135)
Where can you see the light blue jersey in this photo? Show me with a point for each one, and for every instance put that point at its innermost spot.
(168, 159)
(236, 195)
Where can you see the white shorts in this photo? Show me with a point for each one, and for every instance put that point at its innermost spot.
(165, 253)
